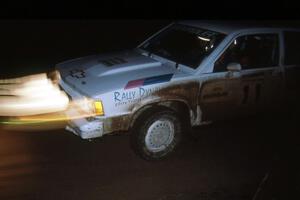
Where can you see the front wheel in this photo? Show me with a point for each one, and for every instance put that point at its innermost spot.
(156, 134)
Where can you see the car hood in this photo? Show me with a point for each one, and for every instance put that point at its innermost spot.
(97, 74)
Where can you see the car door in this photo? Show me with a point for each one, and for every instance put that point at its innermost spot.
(249, 90)
(261, 75)
(219, 95)
(220, 90)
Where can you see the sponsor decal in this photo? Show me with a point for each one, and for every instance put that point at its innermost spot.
(133, 96)
(148, 81)
(215, 95)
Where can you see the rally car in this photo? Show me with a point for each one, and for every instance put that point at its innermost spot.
(188, 74)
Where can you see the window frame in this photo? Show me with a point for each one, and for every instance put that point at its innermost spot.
(254, 32)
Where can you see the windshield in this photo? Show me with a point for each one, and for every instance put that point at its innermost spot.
(184, 44)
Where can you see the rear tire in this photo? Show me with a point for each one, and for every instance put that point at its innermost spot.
(156, 133)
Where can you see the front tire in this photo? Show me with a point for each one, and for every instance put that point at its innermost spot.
(156, 133)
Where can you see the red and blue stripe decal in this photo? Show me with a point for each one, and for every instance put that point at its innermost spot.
(148, 81)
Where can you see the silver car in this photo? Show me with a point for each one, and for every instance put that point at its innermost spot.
(188, 74)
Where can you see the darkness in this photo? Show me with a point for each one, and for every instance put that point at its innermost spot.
(228, 160)
(34, 46)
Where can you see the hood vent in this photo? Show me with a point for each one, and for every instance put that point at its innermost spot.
(112, 61)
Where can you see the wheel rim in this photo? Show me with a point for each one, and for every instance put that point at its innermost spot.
(160, 135)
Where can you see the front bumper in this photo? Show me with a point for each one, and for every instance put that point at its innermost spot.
(83, 127)
(80, 124)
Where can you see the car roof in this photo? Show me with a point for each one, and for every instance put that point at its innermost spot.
(228, 27)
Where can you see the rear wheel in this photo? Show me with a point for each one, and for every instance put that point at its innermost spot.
(156, 134)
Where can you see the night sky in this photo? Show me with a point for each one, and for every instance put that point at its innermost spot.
(33, 46)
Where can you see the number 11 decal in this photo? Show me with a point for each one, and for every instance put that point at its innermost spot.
(246, 90)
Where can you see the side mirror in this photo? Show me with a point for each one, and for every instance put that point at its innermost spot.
(234, 67)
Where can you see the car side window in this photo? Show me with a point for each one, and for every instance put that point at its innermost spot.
(292, 48)
(251, 52)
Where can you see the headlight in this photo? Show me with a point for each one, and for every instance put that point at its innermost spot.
(91, 106)
(94, 106)
(98, 107)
